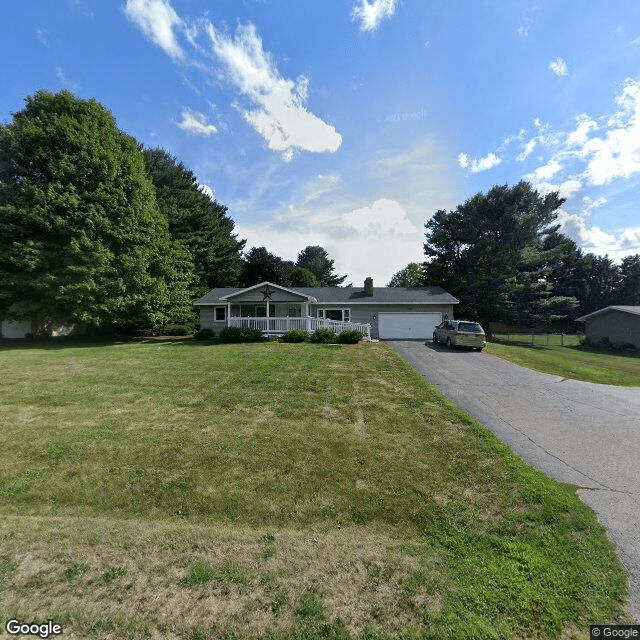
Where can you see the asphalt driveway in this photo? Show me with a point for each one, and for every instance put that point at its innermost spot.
(579, 432)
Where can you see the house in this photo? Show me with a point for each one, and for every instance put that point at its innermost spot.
(379, 312)
(620, 324)
(28, 328)
(15, 328)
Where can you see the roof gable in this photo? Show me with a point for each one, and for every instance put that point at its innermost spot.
(266, 291)
(633, 310)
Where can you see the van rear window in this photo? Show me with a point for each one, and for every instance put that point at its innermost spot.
(471, 327)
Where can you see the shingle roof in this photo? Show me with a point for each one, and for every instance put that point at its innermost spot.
(624, 308)
(354, 295)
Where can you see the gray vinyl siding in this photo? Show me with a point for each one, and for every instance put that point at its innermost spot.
(619, 327)
(363, 313)
(208, 321)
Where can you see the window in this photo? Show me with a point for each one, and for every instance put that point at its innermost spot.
(341, 315)
(221, 314)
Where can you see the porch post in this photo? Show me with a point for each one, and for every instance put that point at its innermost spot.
(267, 301)
(228, 312)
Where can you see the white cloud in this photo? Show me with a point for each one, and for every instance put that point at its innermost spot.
(621, 243)
(545, 172)
(617, 153)
(483, 164)
(565, 189)
(464, 160)
(589, 204)
(527, 149)
(195, 123)
(374, 235)
(281, 117)
(157, 19)
(478, 165)
(382, 218)
(375, 240)
(585, 125)
(371, 14)
(65, 81)
(559, 67)
(594, 153)
(589, 237)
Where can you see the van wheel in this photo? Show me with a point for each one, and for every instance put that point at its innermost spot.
(448, 343)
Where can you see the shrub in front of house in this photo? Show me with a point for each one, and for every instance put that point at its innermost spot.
(350, 336)
(178, 330)
(323, 336)
(295, 335)
(204, 334)
(240, 334)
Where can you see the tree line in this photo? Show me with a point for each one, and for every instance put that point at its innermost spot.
(502, 255)
(98, 230)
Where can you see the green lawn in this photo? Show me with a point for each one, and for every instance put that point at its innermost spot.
(196, 491)
(571, 360)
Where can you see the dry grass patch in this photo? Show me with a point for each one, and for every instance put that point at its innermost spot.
(148, 568)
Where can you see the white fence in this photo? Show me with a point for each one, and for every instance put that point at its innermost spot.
(278, 326)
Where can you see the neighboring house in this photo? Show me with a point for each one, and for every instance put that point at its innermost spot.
(379, 312)
(24, 328)
(16, 328)
(620, 324)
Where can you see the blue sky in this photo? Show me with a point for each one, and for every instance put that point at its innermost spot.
(348, 123)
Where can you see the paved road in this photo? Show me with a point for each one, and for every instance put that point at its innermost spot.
(579, 432)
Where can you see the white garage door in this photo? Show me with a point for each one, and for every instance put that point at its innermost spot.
(407, 325)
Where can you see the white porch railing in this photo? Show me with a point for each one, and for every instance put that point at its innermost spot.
(278, 326)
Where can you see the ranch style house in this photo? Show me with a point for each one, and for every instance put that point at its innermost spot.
(378, 312)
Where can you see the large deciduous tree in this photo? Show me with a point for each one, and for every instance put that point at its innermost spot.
(199, 222)
(81, 237)
(317, 260)
(262, 266)
(410, 276)
(490, 253)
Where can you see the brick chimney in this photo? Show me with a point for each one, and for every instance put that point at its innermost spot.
(368, 287)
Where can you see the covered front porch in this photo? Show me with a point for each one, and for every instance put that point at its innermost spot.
(277, 326)
(274, 310)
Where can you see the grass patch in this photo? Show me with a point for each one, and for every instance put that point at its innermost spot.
(113, 573)
(199, 573)
(572, 361)
(75, 569)
(294, 491)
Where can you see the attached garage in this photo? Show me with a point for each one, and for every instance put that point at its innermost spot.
(407, 326)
